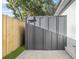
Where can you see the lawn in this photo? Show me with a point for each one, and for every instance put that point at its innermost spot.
(15, 53)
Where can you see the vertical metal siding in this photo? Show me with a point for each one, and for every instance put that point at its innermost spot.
(48, 32)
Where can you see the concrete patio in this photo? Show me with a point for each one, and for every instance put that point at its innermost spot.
(44, 54)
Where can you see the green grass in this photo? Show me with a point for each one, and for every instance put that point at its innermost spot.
(15, 53)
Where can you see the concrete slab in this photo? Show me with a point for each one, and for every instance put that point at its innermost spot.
(44, 54)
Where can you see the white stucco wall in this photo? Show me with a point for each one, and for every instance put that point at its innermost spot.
(71, 20)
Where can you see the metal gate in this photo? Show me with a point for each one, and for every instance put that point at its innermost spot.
(45, 32)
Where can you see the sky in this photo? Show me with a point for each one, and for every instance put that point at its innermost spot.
(9, 12)
(56, 1)
(5, 10)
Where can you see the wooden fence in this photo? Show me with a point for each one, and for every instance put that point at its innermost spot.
(12, 32)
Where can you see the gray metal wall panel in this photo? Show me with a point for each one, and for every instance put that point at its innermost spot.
(48, 40)
(54, 41)
(44, 40)
(62, 32)
(60, 42)
(65, 24)
(26, 35)
(61, 25)
(44, 22)
(52, 28)
(38, 38)
(52, 24)
(64, 41)
(30, 37)
(65, 31)
(37, 21)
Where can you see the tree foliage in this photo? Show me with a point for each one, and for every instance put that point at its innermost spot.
(23, 8)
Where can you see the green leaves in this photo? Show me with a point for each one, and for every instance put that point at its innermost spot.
(9, 5)
(23, 8)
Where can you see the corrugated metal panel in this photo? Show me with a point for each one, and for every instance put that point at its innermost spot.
(38, 38)
(60, 42)
(48, 33)
(30, 36)
(54, 41)
(52, 24)
(62, 32)
(44, 22)
(61, 25)
(48, 40)
(37, 21)
(52, 28)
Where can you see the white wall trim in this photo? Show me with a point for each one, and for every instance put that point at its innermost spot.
(63, 6)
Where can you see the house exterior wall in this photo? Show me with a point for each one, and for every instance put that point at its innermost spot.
(71, 29)
(71, 20)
